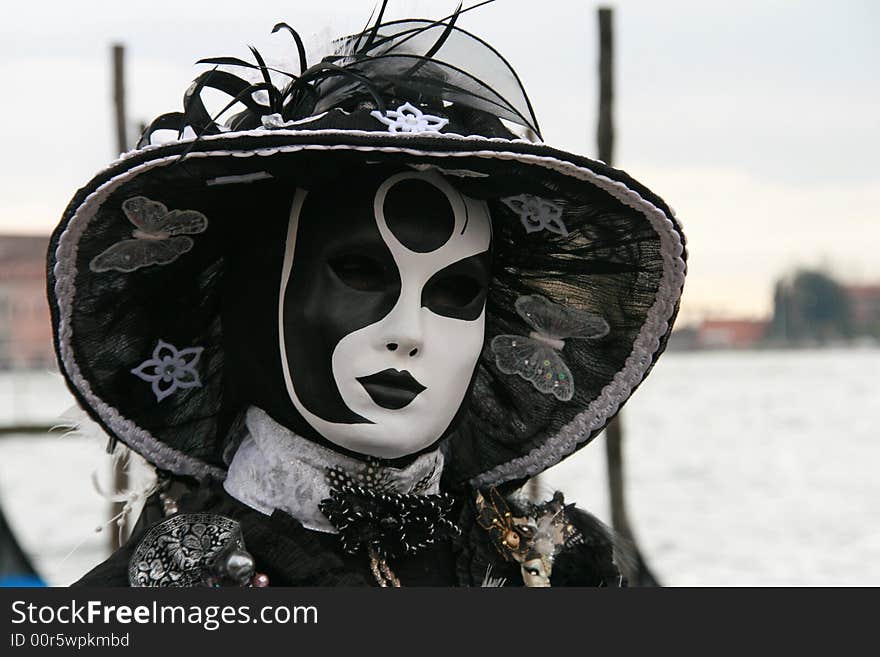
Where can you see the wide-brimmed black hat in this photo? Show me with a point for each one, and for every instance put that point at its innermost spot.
(588, 263)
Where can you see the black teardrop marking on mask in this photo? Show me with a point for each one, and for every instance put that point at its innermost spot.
(419, 215)
(320, 308)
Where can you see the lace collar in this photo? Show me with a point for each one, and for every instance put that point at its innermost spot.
(275, 468)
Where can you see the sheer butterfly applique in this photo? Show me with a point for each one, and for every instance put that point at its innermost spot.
(159, 238)
(538, 357)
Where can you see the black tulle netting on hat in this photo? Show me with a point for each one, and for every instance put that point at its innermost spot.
(588, 263)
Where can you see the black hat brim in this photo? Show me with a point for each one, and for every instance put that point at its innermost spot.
(623, 258)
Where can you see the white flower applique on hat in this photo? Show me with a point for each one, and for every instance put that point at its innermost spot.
(538, 358)
(170, 369)
(159, 238)
(409, 118)
(537, 214)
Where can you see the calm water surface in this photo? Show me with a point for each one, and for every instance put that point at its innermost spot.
(744, 468)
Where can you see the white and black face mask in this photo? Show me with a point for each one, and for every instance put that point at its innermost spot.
(381, 309)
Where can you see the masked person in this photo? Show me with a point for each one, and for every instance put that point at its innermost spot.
(350, 321)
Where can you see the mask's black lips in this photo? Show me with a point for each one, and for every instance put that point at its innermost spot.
(391, 388)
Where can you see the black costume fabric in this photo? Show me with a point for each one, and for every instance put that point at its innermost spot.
(291, 555)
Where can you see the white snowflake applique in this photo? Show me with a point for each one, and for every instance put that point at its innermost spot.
(409, 118)
(170, 369)
(537, 214)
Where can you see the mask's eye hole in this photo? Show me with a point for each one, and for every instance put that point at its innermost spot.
(452, 291)
(459, 290)
(359, 272)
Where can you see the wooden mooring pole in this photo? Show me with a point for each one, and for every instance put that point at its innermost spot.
(637, 572)
(120, 478)
(119, 97)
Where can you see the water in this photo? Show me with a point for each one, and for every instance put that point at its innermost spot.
(743, 468)
(756, 468)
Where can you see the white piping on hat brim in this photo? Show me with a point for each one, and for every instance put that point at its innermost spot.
(550, 453)
(276, 132)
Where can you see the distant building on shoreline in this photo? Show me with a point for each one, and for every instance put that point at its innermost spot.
(716, 333)
(864, 305)
(731, 333)
(25, 325)
(810, 308)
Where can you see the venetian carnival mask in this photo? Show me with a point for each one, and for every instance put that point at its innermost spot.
(381, 309)
(536, 572)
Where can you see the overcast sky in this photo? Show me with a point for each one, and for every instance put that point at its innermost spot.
(759, 122)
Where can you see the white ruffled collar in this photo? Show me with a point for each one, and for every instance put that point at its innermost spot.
(275, 468)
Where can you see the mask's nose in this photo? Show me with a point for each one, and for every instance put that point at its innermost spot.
(394, 346)
(404, 333)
